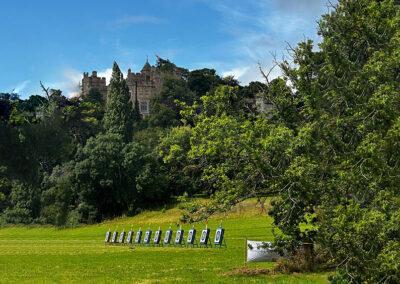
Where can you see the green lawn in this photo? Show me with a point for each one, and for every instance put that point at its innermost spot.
(79, 255)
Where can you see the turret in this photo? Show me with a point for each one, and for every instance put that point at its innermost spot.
(93, 82)
(147, 66)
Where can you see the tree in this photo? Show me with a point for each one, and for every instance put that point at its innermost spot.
(173, 149)
(169, 68)
(137, 117)
(105, 173)
(165, 107)
(230, 81)
(24, 204)
(59, 196)
(225, 154)
(118, 118)
(226, 100)
(84, 117)
(5, 109)
(342, 179)
(203, 80)
(94, 96)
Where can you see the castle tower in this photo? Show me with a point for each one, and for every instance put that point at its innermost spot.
(94, 82)
(144, 86)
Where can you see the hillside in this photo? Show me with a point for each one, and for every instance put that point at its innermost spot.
(47, 254)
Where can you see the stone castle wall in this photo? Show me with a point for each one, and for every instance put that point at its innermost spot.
(144, 85)
(94, 82)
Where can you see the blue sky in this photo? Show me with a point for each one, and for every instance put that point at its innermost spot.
(55, 41)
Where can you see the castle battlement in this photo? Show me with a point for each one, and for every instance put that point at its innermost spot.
(143, 85)
(94, 82)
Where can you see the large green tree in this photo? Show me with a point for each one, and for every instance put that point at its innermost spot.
(118, 118)
(340, 190)
(104, 173)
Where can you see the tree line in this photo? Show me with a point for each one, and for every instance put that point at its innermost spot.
(66, 161)
(326, 153)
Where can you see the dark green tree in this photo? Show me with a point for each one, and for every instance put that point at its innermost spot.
(94, 96)
(203, 80)
(341, 186)
(118, 118)
(165, 107)
(137, 117)
(105, 173)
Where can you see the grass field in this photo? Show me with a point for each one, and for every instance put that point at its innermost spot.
(79, 254)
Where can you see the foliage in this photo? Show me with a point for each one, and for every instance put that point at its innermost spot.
(105, 173)
(118, 118)
(152, 182)
(165, 109)
(203, 81)
(342, 161)
(23, 205)
(326, 149)
(224, 153)
(167, 67)
(173, 149)
(58, 195)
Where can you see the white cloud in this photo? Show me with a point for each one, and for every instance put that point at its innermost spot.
(251, 73)
(260, 28)
(70, 80)
(21, 87)
(106, 73)
(237, 72)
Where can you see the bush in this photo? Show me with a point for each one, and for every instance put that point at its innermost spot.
(24, 205)
(17, 215)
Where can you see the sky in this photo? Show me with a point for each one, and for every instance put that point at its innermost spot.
(56, 41)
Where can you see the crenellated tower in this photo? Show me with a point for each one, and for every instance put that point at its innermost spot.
(94, 82)
(143, 85)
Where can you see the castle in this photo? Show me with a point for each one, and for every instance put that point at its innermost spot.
(143, 86)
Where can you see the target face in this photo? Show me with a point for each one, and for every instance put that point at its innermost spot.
(114, 237)
(138, 237)
(191, 236)
(157, 236)
(122, 238)
(178, 237)
(129, 237)
(219, 236)
(147, 237)
(167, 237)
(108, 235)
(204, 236)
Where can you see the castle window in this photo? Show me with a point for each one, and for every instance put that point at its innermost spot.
(144, 107)
(147, 78)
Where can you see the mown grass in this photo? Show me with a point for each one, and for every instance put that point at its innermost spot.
(46, 254)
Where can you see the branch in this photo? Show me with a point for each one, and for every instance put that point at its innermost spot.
(45, 90)
(266, 75)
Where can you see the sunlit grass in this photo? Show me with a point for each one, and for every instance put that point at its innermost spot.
(47, 254)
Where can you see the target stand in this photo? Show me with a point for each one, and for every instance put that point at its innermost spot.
(205, 241)
(157, 238)
(167, 237)
(191, 238)
(179, 241)
(219, 239)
